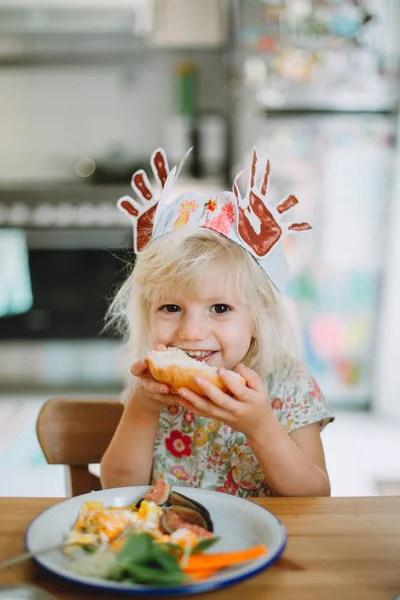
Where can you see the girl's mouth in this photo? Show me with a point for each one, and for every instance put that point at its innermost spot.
(200, 355)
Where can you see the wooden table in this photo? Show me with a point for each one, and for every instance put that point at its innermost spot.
(338, 548)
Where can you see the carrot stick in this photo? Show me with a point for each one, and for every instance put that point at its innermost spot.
(198, 562)
(203, 573)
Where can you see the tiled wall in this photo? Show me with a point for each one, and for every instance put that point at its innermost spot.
(53, 115)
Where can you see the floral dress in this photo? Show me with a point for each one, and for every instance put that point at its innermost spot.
(204, 453)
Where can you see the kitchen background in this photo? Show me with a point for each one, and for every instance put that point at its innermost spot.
(90, 88)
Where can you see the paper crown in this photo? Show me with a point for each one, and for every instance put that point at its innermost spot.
(248, 220)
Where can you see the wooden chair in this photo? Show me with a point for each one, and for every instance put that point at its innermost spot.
(75, 432)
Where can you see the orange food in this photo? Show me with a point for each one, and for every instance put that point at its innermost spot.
(202, 573)
(175, 368)
(203, 562)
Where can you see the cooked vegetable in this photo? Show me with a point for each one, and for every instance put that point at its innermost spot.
(143, 560)
(202, 562)
(203, 573)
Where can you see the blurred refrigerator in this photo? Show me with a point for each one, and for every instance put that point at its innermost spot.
(341, 167)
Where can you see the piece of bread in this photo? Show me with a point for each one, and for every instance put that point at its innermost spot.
(175, 368)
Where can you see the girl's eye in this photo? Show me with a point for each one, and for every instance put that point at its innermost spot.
(220, 309)
(170, 308)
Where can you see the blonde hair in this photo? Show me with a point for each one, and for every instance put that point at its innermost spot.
(180, 260)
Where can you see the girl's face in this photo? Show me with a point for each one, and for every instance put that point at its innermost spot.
(216, 328)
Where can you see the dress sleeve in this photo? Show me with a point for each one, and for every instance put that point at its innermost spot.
(297, 400)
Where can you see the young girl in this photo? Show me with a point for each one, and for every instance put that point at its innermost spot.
(205, 281)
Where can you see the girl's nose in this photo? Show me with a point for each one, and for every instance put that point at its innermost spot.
(193, 327)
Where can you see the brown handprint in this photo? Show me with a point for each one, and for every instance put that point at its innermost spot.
(270, 230)
(142, 214)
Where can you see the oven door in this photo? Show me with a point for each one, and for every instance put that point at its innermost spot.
(74, 274)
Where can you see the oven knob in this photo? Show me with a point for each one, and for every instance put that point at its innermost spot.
(18, 214)
(43, 215)
(106, 214)
(86, 214)
(65, 214)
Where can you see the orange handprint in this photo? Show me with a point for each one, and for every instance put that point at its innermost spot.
(270, 230)
(142, 213)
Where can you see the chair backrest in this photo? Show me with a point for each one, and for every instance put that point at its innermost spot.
(75, 432)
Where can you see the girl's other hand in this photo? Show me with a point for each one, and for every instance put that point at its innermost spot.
(246, 408)
(151, 394)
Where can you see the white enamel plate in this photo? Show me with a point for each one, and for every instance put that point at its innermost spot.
(238, 523)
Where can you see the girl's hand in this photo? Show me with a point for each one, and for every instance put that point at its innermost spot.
(149, 393)
(247, 410)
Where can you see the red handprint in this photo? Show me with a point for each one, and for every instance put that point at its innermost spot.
(142, 213)
(270, 230)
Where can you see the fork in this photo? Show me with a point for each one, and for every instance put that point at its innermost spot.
(15, 560)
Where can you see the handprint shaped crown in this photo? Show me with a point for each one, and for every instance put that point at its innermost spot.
(247, 220)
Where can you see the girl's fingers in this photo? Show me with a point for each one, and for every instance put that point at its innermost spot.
(200, 413)
(217, 396)
(169, 399)
(253, 380)
(216, 404)
(237, 388)
(154, 387)
(200, 406)
(139, 368)
(159, 392)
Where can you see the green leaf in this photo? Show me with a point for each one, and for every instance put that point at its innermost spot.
(166, 560)
(153, 576)
(118, 572)
(137, 548)
(142, 560)
(89, 548)
(171, 546)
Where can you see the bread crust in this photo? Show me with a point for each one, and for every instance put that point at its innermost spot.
(177, 376)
